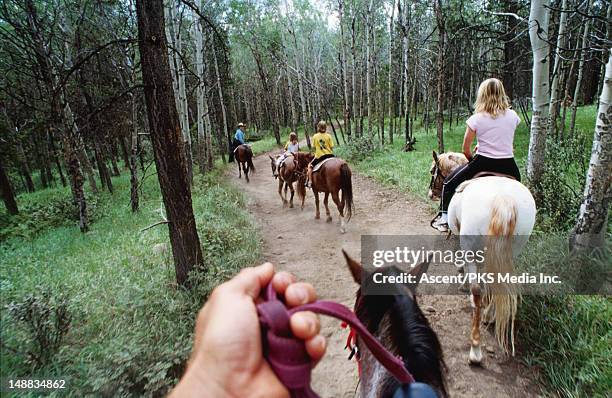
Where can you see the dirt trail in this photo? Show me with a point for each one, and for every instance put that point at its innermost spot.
(309, 248)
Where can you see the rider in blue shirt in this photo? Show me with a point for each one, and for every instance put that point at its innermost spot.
(239, 136)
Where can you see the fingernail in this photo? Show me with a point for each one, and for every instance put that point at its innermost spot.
(320, 341)
(301, 296)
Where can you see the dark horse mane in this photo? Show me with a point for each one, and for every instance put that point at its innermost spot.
(412, 336)
(302, 160)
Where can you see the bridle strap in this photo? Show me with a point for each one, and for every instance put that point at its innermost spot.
(287, 355)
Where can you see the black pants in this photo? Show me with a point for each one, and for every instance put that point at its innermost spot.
(315, 160)
(479, 163)
(233, 145)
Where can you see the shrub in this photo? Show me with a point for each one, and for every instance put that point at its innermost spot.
(44, 210)
(45, 319)
(562, 183)
(360, 147)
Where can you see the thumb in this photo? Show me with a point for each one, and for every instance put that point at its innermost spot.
(251, 280)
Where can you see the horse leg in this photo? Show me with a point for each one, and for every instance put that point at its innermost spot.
(340, 207)
(325, 201)
(475, 357)
(317, 213)
(246, 171)
(292, 193)
(280, 191)
(239, 169)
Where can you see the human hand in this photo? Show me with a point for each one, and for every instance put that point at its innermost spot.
(227, 358)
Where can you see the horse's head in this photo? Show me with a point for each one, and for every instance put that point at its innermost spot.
(397, 321)
(273, 166)
(303, 158)
(441, 166)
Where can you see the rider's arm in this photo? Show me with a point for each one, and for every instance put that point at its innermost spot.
(468, 138)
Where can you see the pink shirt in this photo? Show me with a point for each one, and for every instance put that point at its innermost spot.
(495, 136)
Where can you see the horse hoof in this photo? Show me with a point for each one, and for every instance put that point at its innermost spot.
(317, 217)
(329, 219)
(291, 205)
(475, 357)
(342, 230)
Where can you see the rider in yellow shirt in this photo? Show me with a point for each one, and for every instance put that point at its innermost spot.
(323, 145)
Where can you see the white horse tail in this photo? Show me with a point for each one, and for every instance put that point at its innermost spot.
(501, 296)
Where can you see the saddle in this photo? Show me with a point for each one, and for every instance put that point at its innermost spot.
(282, 162)
(492, 174)
(481, 174)
(318, 165)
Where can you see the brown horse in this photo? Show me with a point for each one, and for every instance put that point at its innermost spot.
(287, 174)
(333, 176)
(396, 320)
(244, 158)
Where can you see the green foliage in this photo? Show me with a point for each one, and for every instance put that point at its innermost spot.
(360, 147)
(42, 210)
(44, 320)
(131, 329)
(566, 167)
(569, 340)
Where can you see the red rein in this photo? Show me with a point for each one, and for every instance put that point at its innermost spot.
(287, 355)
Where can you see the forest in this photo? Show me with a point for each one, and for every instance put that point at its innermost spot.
(123, 209)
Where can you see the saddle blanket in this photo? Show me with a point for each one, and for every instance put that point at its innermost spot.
(321, 163)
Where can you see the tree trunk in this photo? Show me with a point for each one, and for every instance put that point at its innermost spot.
(178, 74)
(583, 52)
(8, 195)
(25, 167)
(220, 93)
(553, 108)
(538, 34)
(56, 158)
(390, 80)
(590, 230)
(134, 199)
(440, 83)
(200, 94)
(166, 138)
(344, 66)
(511, 7)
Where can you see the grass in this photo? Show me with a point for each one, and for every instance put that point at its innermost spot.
(566, 338)
(131, 327)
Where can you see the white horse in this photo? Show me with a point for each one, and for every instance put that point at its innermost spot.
(502, 212)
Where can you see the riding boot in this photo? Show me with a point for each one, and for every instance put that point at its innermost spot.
(308, 176)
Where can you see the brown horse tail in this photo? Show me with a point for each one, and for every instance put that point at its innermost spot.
(301, 186)
(249, 160)
(251, 165)
(347, 190)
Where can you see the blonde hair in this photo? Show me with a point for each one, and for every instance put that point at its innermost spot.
(322, 127)
(492, 98)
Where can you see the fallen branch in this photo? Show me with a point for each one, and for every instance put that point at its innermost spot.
(155, 225)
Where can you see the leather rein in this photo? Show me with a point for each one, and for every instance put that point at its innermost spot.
(287, 355)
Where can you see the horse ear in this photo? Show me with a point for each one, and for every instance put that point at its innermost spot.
(354, 266)
(270, 156)
(435, 156)
(417, 271)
